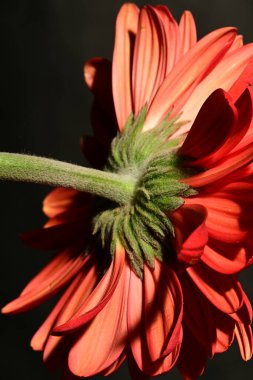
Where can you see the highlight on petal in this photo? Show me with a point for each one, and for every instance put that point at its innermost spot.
(188, 73)
(188, 32)
(149, 59)
(225, 331)
(224, 75)
(172, 37)
(244, 338)
(61, 200)
(126, 29)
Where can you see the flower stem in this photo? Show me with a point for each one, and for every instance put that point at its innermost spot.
(25, 168)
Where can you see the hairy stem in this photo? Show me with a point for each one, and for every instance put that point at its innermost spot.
(25, 168)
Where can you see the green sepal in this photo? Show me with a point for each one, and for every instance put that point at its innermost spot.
(142, 225)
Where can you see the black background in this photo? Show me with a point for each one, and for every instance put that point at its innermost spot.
(44, 110)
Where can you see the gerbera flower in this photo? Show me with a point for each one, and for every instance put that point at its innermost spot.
(153, 276)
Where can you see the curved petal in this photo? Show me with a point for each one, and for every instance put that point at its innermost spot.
(222, 291)
(218, 128)
(98, 77)
(137, 334)
(224, 75)
(172, 36)
(227, 166)
(149, 60)
(98, 298)
(228, 220)
(135, 372)
(224, 257)
(190, 232)
(188, 32)
(126, 28)
(244, 314)
(203, 328)
(188, 73)
(244, 80)
(78, 291)
(40, 337)
(225, 333)
(49, 281)
(244, 339)
(163, 310)
(211, 128)
(114, 366)
(60, 200)
(110, 340)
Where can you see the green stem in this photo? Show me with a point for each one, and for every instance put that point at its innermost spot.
(25, 168)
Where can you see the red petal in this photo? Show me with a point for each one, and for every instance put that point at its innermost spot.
(203, 327)
(188, 73)
(107, 331)
(40, 337)
(56, 353)
(225, 258)
(224, 331)
(244, 339)
(135, 372)
(137, 334)
(223, 291)
(191, 233)
(244, 81)
(114, 366)
(47, 283)
(98, 298)
(172, 36)
(61, 200)
(98, 76)
(211, 128)
(226, 167)
(244, 314)
(149, 61)
(228, 221)
(163, 310)
(220, 77)
(69, 303)
(237, 132)
(126, 28)
(188, 32)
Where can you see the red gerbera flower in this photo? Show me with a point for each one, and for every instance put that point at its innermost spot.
(155, 277)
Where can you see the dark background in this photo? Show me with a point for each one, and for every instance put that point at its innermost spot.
(44, 110)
